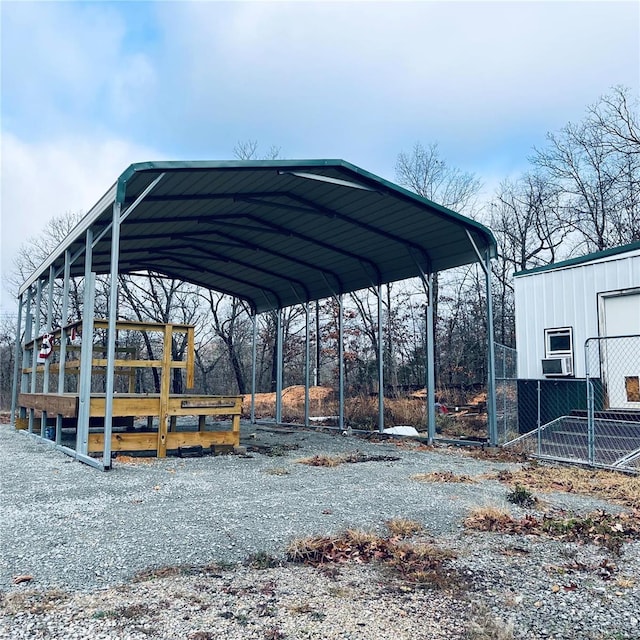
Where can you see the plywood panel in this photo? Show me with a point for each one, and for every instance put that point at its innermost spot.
(149, 441)
(127, 405)
(53, 403)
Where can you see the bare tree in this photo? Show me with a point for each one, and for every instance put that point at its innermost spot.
(527, 218)
(230, 323)
(617, 115)
(154, 298)
(424, 171)
(248, 150)
(595, 166)
(35, 251)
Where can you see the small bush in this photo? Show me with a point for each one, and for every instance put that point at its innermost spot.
(521, 496)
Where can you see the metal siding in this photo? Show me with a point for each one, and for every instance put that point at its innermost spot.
(566, 297)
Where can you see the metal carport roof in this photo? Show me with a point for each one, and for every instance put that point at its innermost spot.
(274, 233)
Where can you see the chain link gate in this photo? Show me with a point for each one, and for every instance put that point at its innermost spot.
(613, 401)
(594, 421)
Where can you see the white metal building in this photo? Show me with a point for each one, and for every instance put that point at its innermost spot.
(558, 307)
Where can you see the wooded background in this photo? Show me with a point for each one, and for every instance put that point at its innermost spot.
(581, 193)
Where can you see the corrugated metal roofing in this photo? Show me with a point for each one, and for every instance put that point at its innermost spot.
(274, 233)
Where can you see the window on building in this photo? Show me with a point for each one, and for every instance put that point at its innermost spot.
(558, 342)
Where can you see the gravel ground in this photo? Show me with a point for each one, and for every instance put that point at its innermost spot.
(83, 535)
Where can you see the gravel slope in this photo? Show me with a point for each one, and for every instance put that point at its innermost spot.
(82, 535)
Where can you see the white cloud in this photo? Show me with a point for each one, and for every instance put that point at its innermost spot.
(88, 88)
(44, 180)
(465, 65)
(67, 65)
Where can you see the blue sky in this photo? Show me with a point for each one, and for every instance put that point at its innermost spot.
(90, 87)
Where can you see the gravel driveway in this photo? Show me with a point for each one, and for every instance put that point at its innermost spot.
(83, 534)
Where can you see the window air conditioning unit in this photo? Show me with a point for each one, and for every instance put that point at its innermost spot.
(557, 367)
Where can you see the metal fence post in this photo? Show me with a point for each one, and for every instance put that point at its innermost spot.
(539, 422)
(590, 406)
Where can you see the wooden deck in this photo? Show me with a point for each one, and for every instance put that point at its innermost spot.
(131, 405)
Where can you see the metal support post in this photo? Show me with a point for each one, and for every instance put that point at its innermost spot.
(16, 364)
(316, 375)
(34, 355)
(591, 431)
(47, 362)
(28, 337)
(539, 422)
(504, 394)
(63, 336)
(431, 367)
(380, 363)
(111, 334)
(279, 357)
(86, 354)
(340, 364)
(254, 351)
(307, 363)
(491, 360)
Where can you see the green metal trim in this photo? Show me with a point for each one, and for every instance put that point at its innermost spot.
(572, 262)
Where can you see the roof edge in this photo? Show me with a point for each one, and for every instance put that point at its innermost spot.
(589, 257)
(81, 227)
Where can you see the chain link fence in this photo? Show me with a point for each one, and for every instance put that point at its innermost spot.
(613, 401)
(506, 393)
(593, 421)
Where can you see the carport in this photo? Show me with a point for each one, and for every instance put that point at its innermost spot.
(272, 233)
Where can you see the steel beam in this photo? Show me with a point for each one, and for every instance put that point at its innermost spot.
(16, 363)
(279, 356)
(63, 336)
(307, 358)
(340, 364)
(491, 360)
(28, 337)
(111, 331)
(34, 355)
(254, 351)
(431, 369)
(86, 354)
(380, 362)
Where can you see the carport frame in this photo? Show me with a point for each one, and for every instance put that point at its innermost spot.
(377, 214)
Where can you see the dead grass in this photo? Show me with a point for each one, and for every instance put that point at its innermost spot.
(490, 518)
(403, 527)
(361, 411)
(32, 601)
(485, 625)
(415, 562)
(604, 529)
(608, 485)
(213, 569)
(325, 460)
(278, 471)
(321, 460)
(442, 476)
(497, 454)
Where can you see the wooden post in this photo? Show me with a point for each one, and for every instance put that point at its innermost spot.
(190, 358)
(165, 386)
